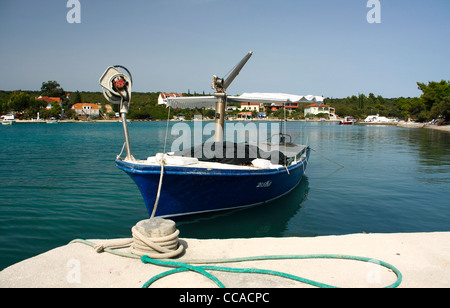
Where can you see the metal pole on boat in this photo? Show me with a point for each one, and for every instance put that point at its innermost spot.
(220, 116)
(123, 116)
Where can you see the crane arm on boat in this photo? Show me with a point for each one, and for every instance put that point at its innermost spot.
(220, 84)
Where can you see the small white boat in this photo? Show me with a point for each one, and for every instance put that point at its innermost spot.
(349, 120)
(51, 121)
(8, 122)
(378, 119)
(8, 119)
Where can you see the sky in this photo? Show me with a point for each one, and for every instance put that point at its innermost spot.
(317, 47)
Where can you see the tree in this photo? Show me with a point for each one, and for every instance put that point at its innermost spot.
(52, 89)
(434, 92)
(56, 110)
(76, 98)
(442, 109)
(19, 101)
(35, 107)
(361, 101)
(371, 99)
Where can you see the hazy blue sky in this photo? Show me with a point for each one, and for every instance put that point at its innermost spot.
(319, 47)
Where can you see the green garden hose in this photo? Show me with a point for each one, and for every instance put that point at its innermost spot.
(182, 267)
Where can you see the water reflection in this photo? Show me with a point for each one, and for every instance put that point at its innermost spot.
(432, 149)
(265, 220)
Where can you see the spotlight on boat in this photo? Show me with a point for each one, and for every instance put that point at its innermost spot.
(117, 90)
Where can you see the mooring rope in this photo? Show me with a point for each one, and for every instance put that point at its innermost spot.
(159, 159)
(161, 247)
(158, 248)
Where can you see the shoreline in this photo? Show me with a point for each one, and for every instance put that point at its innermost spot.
(445, 128)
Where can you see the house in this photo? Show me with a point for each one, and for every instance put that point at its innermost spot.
(245, 115)
(50, 100)
(315, 109)
(251, 106)
(86, 109)
(162, 98)
(273, 107)
(291, 106)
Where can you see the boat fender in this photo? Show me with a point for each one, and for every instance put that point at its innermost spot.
(264, 164)
(261, 163)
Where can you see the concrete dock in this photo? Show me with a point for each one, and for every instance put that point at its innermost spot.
(422, 258)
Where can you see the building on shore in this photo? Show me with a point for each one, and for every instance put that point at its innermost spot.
(315, 109)
(50, 100)
(251, 106)
(86, 109)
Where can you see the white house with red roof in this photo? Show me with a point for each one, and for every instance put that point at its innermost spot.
(86, 109)
(315, 109)
(252, 106)
(50, 100)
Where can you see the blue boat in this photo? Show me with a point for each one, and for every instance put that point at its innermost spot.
(192, 186)
(189, 182)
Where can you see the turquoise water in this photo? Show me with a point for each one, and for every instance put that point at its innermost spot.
(59, 182)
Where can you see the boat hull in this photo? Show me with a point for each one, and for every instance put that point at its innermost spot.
(190, 190)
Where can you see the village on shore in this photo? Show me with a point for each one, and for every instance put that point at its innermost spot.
(52, 104)
(316, 112)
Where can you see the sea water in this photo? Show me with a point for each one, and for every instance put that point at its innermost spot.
(59, 182)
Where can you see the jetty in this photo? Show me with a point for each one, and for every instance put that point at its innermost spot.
(423, 259)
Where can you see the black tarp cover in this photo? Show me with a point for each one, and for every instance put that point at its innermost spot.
(232, 153)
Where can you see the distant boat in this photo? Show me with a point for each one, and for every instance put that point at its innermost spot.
(190, 182)
(8, 122)
(349, 120)
(51, 121)
(378, 119)
(8, 119)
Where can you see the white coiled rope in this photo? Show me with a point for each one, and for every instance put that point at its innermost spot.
(156, 238)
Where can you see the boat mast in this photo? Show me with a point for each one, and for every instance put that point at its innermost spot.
(221, 85)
